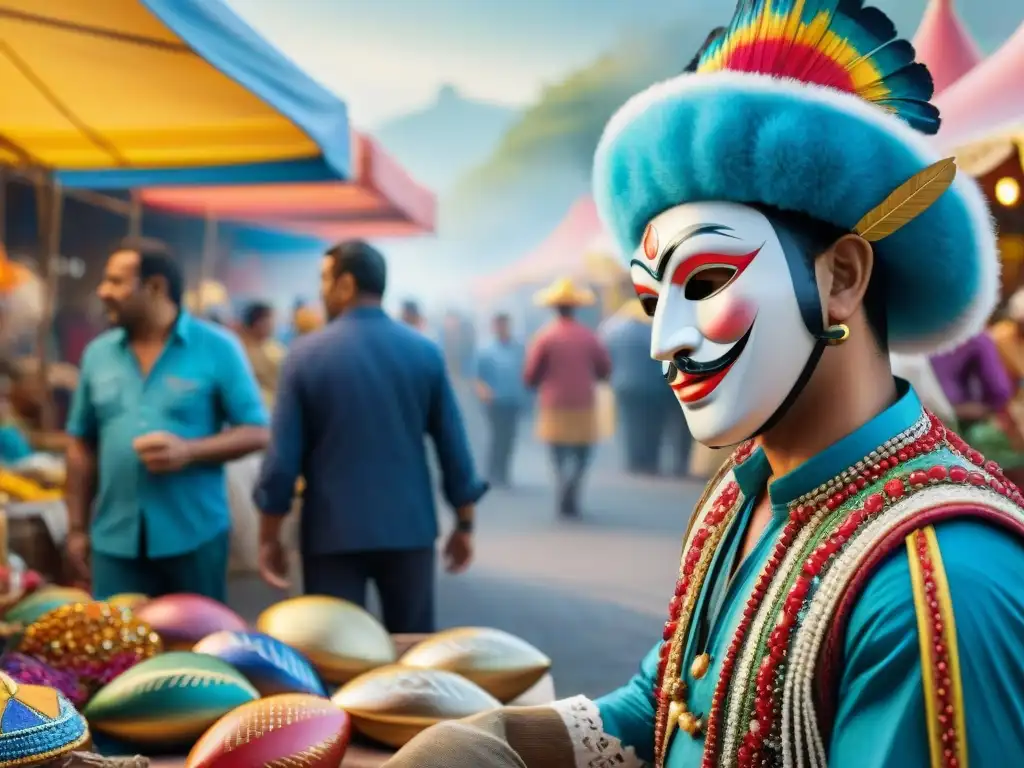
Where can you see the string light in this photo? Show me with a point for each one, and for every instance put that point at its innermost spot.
(1007, 192)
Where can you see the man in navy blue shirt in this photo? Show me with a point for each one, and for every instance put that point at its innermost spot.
(354, 403)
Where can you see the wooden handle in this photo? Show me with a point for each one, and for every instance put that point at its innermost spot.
(3, 538)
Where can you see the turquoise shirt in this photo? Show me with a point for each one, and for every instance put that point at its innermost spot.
(880, 720)
(201, 381)
(13, 445)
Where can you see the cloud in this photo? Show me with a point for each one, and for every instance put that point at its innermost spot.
(379, 79)
(384, 70)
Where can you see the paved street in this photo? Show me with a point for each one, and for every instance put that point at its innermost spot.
(591, 593)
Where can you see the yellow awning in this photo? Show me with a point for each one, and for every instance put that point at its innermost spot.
(97, 84)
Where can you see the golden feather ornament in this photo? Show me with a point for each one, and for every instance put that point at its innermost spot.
(908, 201)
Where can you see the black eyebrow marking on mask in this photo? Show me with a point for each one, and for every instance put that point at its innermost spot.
(658, 273)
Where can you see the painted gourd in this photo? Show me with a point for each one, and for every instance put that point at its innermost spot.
(270, 665)
(341, 639)
(291, 729)
(168, 700)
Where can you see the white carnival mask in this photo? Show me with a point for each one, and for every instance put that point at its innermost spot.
(727, 326)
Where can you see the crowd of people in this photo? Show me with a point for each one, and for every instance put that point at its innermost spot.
(168, 401)
(352, 405)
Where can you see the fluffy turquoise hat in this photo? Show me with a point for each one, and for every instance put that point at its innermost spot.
(36, 724)
(812, 106)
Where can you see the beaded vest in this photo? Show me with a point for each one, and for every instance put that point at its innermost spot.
(771, 704)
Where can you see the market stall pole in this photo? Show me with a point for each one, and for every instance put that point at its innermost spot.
(208, 263)
(50, 209)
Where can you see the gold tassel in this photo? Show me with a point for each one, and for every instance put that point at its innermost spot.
(908, 201)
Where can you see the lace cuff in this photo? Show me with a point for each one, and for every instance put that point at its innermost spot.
(592, 747)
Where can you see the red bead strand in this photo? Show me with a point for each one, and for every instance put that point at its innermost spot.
(725, 501)
(940, 658)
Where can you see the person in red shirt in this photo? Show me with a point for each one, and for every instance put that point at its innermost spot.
(565, 361)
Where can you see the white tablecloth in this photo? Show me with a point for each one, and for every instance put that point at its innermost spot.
(53, 514)
(242, 476)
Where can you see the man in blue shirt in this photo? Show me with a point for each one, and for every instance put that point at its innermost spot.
(499, 385)
(354, 403)
(145, 484)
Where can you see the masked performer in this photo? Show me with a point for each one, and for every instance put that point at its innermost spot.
(849, 592)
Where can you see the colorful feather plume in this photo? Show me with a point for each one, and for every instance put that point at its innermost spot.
(833, 43)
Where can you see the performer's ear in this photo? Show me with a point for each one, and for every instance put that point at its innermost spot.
(850, 262)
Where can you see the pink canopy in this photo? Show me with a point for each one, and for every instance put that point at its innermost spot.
(562, 253)
(987, 104)
(944, 45)
(380, 201)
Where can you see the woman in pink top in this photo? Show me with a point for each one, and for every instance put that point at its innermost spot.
(564, 362)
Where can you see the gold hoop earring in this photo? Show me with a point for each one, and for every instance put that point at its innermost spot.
(836, 334)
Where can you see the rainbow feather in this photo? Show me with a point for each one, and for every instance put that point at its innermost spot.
(837, 44)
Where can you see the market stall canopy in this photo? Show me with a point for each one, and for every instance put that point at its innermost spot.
(601, 262)
(944, 45)
(561, 254)
(126, 93)
(986, 109)
(380, 201)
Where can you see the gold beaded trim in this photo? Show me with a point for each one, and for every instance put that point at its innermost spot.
(49, 754)
(673, 688)
(894, 445)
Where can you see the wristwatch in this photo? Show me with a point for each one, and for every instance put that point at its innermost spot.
(464, 526)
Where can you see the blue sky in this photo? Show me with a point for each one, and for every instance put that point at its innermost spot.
(388, 57)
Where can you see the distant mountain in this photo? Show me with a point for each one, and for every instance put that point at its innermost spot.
(439, 143)
(543, 163)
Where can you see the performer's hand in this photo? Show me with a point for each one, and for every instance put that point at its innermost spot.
(458, 552)
(273, 564)
(162, 452)
(76, 550)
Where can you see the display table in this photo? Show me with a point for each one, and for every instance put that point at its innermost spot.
(36, 532)
(363, 755)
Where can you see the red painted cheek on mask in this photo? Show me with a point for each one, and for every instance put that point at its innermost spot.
(730, 321)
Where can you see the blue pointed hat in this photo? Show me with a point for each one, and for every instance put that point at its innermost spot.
(36, 724)
(812, 106)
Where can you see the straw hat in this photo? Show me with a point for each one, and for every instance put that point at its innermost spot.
(307, 320)
(633, 310)
(209, 295)
(564, 293)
